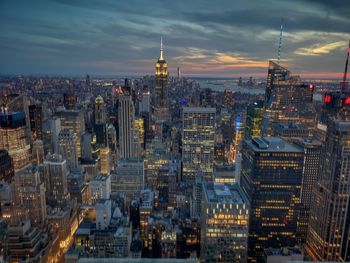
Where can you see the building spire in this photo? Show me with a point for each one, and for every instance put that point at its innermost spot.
(161, 49)
(280, 43)
(344, 83)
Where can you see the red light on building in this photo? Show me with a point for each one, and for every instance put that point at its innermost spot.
(311, 86)
(346, 101)
(327, 99)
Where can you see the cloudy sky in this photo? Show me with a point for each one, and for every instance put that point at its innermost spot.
(202, 37)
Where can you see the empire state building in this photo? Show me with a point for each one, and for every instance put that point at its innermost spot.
(161, 89)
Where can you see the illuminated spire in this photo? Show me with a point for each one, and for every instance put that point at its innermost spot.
(161, 49)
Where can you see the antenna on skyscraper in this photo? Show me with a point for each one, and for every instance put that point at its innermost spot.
(161, 49)
(280, 43)
(346, 70)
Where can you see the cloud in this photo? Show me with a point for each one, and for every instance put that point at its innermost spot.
(224, 37)
(318, 50)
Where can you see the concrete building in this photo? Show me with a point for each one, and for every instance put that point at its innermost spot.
(100, 188)
(129, 178)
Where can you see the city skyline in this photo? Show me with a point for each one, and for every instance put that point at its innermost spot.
(204, 39)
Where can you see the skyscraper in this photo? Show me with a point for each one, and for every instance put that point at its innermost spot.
(255, 113)
(74, 121)
(224, 223)
(198, 129)
(161, 90)
(105, 161)
(67, 142)
(6, 166)
(287, 100)
(14, 138)
(29, 195)
(126, 117)
(100, 126)
(161, 110)
(329, 225)
(271, 177)
(312, 149)
(56, 180)
(35, 117)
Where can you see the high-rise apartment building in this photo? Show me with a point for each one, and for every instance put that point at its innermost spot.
(198, 129)
(271, 176)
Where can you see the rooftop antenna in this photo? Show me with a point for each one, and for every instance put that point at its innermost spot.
(346, 70)
(280, 43)
(161, 49)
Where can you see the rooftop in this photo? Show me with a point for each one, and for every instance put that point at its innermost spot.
(199, 110)
(273, 144)
(224, 193)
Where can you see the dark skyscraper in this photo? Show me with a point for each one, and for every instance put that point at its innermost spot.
(100, 121)
(35, 118)
(69, 100)
(6, 166)
(271, 177)
(255, 113)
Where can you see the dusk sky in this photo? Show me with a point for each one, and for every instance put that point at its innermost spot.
(203, 38)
